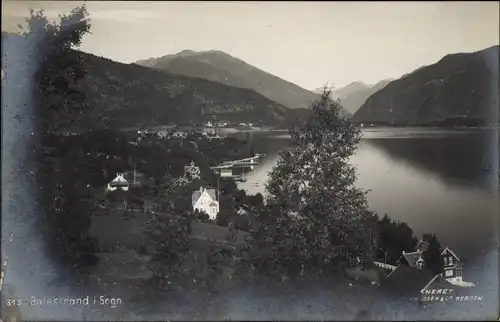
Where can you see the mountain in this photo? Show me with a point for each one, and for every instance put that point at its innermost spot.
(460, 89)
(124, 95)
(128, 95)
(351, 88)
(221, 67)
(355, 94)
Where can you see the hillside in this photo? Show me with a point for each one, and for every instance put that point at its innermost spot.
(460, 89)
(123, 95)
(220, 67)
(130, 95)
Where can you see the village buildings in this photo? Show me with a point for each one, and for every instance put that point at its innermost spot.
(191, 171)
(205, 200)
(129, 180)
(118, 183)
(412, 278)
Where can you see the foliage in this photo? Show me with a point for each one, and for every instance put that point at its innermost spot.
(169, 231)
(67, 196)
(62, 71)
(201, 216)
(128, 95)
(432, 257)
(316, 220)
(393, 238)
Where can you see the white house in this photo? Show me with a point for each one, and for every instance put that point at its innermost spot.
(118, 183)
(453, 268)
(205, 200)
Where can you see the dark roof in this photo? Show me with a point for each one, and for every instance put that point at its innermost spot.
(412, 258)
(439, 282)
(408, 280)
(197, 194)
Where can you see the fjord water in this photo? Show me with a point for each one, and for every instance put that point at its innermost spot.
(437, 181)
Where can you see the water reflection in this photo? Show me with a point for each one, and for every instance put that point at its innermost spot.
(437, 181)
(463, 158)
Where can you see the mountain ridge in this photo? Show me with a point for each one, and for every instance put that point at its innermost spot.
(125, 96)
(457, 88)
(218, 66)
(178, 98)
(354, 94)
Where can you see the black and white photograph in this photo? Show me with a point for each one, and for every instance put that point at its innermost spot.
(250, 160)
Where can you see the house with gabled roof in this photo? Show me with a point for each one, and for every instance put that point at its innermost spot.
(118, 183)
(192, 171)
(411, 276)
(413, 259)
(453, 268)
(129, 180)
(205, 200)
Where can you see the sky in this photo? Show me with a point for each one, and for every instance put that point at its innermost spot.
(307, 43)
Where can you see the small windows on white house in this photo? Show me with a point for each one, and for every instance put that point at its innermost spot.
(445, 261)
(449, 273)
(450, 260)
(459, 271)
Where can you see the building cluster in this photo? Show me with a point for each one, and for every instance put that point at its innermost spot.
(411, 274)
(127, 180)
(203, 200)
(216, 124)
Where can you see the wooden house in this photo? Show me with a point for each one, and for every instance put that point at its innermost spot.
(192, 171)
(129, 180)
(453, 268)
(205, 200)
(118, 183)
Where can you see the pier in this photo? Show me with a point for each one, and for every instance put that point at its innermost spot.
(226, 169)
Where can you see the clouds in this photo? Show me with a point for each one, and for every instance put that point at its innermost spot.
(122, 12)
(323, 41)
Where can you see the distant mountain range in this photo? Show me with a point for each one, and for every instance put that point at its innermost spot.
(218, 66)
(129, 95)
(193, 87)
(353, 95)
(460, 89)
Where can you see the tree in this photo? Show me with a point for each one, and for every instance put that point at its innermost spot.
(318, 220)
(223, 218)
(432, 257)
(393, 239)
(68, 201)
(169, 233)
(62, 69)
(201, 216)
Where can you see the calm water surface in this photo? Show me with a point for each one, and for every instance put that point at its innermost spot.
(437, 181)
